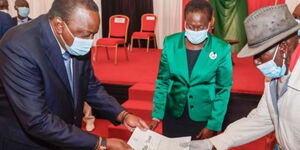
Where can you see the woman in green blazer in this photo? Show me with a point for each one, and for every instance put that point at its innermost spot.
(194, 80)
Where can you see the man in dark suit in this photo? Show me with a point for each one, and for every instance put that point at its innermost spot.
(22, 8)
(45, 77)
(5, 19)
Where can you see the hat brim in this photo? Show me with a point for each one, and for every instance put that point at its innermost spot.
(251, 51)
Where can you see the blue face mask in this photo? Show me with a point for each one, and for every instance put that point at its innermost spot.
(271, 70)
(298, 20)
(24, 11)
(80, 47)
(196, 37)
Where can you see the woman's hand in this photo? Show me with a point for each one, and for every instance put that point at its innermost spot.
(153, 124)
(205, 134)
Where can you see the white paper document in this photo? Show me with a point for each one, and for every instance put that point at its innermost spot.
(149, 140)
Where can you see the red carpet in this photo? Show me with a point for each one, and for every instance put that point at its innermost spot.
(141, 71)
(142, 67)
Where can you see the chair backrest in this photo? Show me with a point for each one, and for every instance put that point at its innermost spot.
(118, 26)
(148, 23)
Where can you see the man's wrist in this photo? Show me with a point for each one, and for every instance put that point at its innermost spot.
(119, 118)
(125, 114)
(122, 116)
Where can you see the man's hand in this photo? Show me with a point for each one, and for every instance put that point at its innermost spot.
(201, 145)
(131, 121)
(205, 134)
(117, 144)
(153, 124)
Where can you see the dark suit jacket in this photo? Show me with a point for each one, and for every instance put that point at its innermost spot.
(15, 20)
(36, 104)
(5, 23)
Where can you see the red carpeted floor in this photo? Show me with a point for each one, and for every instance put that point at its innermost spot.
(141, 71)
(142, 67)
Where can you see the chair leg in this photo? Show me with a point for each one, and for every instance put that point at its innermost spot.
(131, 44)
(139, 42)
(126, 53)
(155, 42)
(148, 42)
(107, 54)
(116, 55)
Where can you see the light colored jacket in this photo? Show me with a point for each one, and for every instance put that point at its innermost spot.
(280, 113)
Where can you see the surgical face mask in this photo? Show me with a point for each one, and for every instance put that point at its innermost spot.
(271, 70)
(79, 46)
(196, 37)
(24, 11)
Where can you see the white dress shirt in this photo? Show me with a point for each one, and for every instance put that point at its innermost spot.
(22, 21)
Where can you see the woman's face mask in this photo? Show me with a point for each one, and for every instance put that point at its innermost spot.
(196, 37)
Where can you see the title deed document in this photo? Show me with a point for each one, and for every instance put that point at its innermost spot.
(149, 140)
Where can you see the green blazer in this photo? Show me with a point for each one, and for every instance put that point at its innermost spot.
(206, 91)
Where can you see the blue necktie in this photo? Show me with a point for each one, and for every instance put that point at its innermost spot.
(68, 65)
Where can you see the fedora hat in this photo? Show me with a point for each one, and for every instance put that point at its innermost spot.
(266, 27)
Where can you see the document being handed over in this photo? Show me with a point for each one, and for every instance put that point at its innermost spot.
(149, 140)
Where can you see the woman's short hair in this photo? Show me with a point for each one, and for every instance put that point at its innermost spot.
(198, 5)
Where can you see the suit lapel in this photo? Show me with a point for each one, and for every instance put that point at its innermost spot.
(55, 57)
(276, 92)
(54, 54)
(202, 61)
(274, 96)
(181, 59)
(285, 86)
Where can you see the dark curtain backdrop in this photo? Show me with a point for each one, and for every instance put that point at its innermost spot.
(134, 9)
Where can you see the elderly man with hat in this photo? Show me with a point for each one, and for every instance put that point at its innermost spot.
(272, 40)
